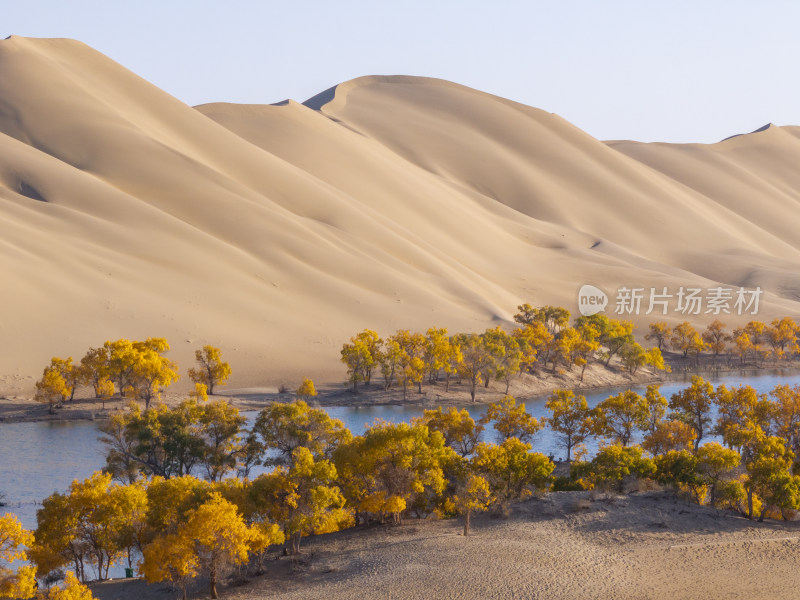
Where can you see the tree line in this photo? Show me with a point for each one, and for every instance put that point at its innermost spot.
(132, 369)
(543, 337)
(753, 471)
(756, 341)
(178, 487)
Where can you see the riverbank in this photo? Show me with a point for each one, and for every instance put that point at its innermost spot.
(598, 377)
(564, 545)
(18, 408)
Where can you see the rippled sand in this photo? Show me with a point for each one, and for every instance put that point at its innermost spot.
(647, 545)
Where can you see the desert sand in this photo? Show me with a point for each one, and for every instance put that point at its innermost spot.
(563, 546)
(277, 231)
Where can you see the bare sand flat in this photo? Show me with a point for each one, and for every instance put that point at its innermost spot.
(647, 545)
(276, 232)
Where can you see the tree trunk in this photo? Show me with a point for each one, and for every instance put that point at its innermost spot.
(295, 543)
(466, 523)
(472, 389)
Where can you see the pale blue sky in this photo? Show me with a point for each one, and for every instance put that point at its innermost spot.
(654, 71)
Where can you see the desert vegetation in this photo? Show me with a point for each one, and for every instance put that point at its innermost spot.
(179, 497)
(753, 344)
(543, 340)
(132, 369)
(188, 491)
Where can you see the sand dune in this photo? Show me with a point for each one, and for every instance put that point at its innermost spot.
(277, 231)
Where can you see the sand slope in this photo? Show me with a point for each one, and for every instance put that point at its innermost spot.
(643, 546)
(276, 232)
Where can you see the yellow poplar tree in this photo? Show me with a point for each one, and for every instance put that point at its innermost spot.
(656, 405)
(284, 427)
(71, 590)
(392, 466)
(509, 360)
(617, 417)
(411, 359)
(782, 335)
(769, 475)
(121, 359)
(757, 332)
(684, 338)
(170, 557)
(104, 390)
(475, 359)
(389, 358)
(220, 538)
(204, 540)
(358, 358)
(532, 339)
(741, 413)
(459, 429)
(742, 344)
(437, 349)
(660, 332)
(151, 373)
(668, 436)
(474, 496)
(693, 406)
(714, 463)
(306, 390)
(263, 535)
(612, 464)
(512, 469)
(303, 498)
(52, 388)
(211, 370)
(95, 366)
(219, 424)
(716, 338)
(510, 419)
(19, 582)
(170, 501)
(570, 419)
(786, 414)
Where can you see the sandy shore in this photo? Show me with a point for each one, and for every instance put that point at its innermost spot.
(18, 408)
(646, 545)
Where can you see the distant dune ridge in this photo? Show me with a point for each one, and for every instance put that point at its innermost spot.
(277, 231)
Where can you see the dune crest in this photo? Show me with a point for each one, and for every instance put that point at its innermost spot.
(277, 231)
